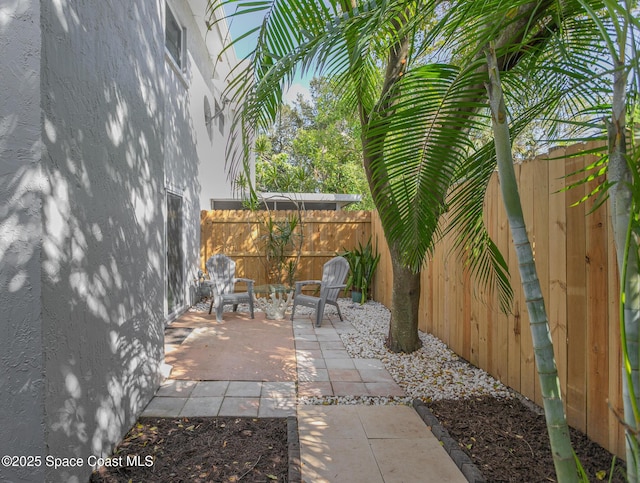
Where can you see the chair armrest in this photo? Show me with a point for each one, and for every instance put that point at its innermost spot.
(248, 281)
(302, 283)
(336, 286)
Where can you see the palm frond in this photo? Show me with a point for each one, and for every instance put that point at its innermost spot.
(423, 137)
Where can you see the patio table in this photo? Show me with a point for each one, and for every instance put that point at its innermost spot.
(273, 299)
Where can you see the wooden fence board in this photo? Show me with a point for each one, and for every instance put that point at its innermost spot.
(597, 307)
(576, 297)
(557, 261)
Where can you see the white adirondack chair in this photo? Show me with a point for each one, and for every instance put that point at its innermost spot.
(334, 273)
(222, 270)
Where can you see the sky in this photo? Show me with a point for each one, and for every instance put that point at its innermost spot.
(240, 25)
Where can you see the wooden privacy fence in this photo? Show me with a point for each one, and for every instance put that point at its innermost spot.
(576, 264)
(237, 234)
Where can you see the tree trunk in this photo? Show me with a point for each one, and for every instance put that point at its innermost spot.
(621, 199)
(563, 456)
(403, 329)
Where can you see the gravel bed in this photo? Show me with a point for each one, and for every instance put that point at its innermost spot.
(431, 373)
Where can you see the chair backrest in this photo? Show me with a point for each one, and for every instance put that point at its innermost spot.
(221, 270)
(334, 272)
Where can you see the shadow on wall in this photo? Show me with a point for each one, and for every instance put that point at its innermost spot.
(103, 251)
(21, 359)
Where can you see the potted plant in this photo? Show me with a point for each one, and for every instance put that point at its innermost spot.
(363, 262)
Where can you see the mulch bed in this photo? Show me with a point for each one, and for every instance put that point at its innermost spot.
(221, 449)
(508, 441)
(505, 439)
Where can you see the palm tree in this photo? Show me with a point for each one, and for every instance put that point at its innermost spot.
(563, 456)
(618, 24)
(416, 120)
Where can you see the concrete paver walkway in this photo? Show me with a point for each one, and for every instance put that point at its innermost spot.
(370, 444)
(338, 443)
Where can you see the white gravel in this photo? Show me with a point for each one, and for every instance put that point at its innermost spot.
(431, 373)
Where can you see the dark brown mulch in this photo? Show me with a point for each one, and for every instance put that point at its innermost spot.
(508, 441)
(200, 450)
(505, 439)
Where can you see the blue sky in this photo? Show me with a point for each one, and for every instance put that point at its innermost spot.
(243, 23)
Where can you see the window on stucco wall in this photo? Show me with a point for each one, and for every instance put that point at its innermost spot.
(175, 39)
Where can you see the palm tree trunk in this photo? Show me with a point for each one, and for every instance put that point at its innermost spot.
(626, 250)
(403, 328)
(405, 296)
(557, 427)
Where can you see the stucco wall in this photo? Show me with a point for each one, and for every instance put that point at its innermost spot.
(103, 220)
(95, 129)
(21, 379)
(207, 76)
(186, 139)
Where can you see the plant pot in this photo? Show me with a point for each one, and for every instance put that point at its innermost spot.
(356, 297)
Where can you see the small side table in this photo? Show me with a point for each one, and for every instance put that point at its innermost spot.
(273, 299)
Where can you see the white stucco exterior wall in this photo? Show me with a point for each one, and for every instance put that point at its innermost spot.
(96, 127)
(22, 426)
(208, 78)
(103, 272)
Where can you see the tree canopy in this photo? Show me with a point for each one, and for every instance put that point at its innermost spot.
(313, 146)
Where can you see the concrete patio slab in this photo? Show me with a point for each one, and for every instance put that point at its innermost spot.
(201, 407)
(259, 368)
(370, 443)
(277, 407)
(335, 354)
(338, 460)
(244, 389)
(210, 388)
(175, 388)
(384, 389)
(245, 349)
(318, 423)
(314, 388)
(349, 388)
(344, 375)
(164, 407)
(279, 390)
(373, 375)
(307, 374)
(340, 363)
(388, 422)
(240, 406)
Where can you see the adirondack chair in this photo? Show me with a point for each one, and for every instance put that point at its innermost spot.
(334, 273)
(222, 270)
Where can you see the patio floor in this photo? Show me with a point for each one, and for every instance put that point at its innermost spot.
(260, 368)
(238, 348)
